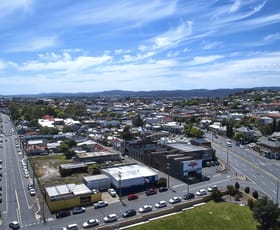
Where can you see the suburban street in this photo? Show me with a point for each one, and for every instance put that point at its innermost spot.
(245, 167)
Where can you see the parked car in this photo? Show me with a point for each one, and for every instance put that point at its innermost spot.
(175, 199)
(163, 189)
(161, 204)
(145, 208)
(91, 223)
(112, 192)
(100, 204)
(14, 225)
(201, 192)
(151, 191)
(110, 218)
(63, 213)
(78, 210)
(212, 188)
(132, 197)
(189, 196)
(30, 186)
(32, 192)
(129, 212)
(71, 227)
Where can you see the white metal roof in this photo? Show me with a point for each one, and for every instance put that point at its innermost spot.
(129, 172)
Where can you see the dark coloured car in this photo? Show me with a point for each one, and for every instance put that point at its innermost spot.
(151, 191)
(189, 196)
(163, 189)
(129, 212)
(14, 225)
(78, 210)
(132, 197)
(63, 213)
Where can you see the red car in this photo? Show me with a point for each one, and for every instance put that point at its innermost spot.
(151, 191)
(132, 197)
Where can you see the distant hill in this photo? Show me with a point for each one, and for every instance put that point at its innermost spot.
(198, 93)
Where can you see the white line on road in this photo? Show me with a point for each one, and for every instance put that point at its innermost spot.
(178, 185)
(18, 208)
(272, 183)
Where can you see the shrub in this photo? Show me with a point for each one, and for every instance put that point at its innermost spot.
(247, 190)
(237, 186)
(255, 194)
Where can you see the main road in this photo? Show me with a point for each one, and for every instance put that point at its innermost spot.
(17, 204)
(263, 172)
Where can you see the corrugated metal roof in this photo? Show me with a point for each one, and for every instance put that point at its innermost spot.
(80, 189)
(95, 177)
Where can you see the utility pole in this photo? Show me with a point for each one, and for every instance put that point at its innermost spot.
(227, 158)
(120, 188)
(277, 192)
(168, 168)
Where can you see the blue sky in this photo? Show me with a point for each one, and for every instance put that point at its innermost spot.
(90, 46)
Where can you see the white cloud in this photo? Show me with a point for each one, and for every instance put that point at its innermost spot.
(272, 37)
(137, 12)
(172, 37)
(204, 59)
(32, 44)
(212, 45)
(235, 6)
(9, 7)
(65, 62)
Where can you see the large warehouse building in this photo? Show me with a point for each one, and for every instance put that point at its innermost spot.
(130, 178)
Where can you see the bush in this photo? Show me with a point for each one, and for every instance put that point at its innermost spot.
(247, 190)
(237, 186)
(255, 194)
(217, 196)
(251, 204)
(162, 182)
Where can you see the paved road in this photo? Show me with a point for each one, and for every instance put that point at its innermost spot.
(263, 172)
(17, 203)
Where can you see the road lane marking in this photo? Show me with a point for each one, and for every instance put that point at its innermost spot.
(248, 162)
(18, 208)
(178, 185)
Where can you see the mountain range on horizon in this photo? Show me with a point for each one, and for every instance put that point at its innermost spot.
(153, 93)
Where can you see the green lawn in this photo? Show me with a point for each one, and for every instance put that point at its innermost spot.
(209, 216)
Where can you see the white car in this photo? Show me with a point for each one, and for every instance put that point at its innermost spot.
(90, 223)
(201, 192)
(32, 192)
(161, 204)
(175, 199)
(71, 227)
(112, 192)
(212, 188)
(145, 208)
(110, 218)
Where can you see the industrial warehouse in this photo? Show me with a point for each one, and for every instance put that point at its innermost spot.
(130, 178)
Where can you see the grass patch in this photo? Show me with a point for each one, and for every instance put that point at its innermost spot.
(211, 216)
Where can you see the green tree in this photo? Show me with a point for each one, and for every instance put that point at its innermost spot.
(137, 121)
(267, 214)
(193, 132)
(126, 133)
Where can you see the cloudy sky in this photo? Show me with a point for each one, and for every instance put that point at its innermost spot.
(90, 46)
